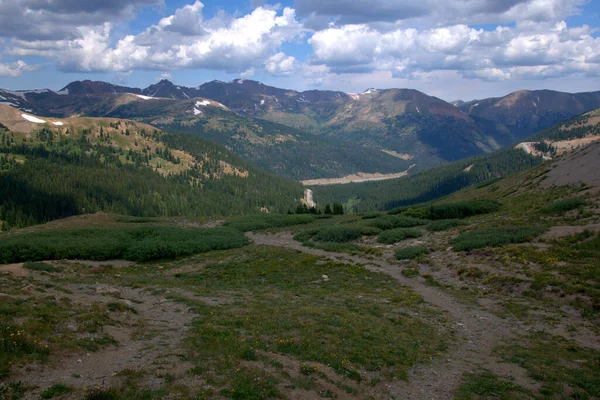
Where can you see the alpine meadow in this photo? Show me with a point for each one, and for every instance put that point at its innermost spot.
(299, 200)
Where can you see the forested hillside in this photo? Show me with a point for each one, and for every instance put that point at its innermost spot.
(449, 178)
(45, 174)
(427, 185)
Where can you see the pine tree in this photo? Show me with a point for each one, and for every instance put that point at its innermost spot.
(328, 209)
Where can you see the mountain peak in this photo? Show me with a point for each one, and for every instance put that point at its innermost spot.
(95, 87)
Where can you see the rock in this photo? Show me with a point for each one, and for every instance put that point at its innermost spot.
(106, 289)
(128, 303)
(28, 288)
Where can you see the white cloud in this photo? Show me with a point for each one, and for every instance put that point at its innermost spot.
(527, 50)
(281, 65)
(60, 19)
(436, 12)
(17, 68)
(182, 40)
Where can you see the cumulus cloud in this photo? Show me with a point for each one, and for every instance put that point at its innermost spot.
(529, 51)
(60, 19)
(182, 40)
(281, 65)
(437, 12)
(403, 38)
(17, 68)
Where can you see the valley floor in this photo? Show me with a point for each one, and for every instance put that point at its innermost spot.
(355, 178)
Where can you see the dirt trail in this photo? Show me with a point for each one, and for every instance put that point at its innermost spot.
(477, 331)
(148, 340)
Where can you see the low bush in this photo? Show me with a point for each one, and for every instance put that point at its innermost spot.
(498, 236)
(462, 209)
(306, 235)
(455, 210)
(338, 234)
(563, 206)
(398, 235)
(371, 215)
(55, 391)
(408, 253)
(129, 243)
(370, 231)
(395, 221)
(247, 223)
(444, 224)
(38, 266)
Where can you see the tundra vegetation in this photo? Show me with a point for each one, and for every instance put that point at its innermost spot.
(492, 292)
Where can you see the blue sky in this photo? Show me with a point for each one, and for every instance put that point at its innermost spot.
(453, 49)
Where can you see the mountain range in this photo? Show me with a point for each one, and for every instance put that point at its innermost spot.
(317, 133)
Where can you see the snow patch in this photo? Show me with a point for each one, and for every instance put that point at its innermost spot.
(144, 97)
(370, 91)
(197, 112)
(536, 106)
(475, 105)
(354, 96)
(57, 123)
(8, 103)
(419, 111)
(185, 94)
(240, 81)
(202, 103)
(262, 102)
(33, 119)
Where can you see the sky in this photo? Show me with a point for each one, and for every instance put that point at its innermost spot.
(452, 49)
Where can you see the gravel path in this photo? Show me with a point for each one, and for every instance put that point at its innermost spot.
(477, 331)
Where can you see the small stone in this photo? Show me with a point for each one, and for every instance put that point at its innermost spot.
(106, 289)
(79, 361)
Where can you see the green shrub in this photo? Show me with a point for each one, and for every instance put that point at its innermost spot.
(247, 223)
(38, 266)
(408, 253)
(370, 231)
(371, 215)
(454, 210)
(562, 206)
(410, 272)
(461, 209)
(130, 243)
(306, 235)
(56, 390)
(338, 234)
(499, 236)
(395, 221)
(444, 224)
(398, 235)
